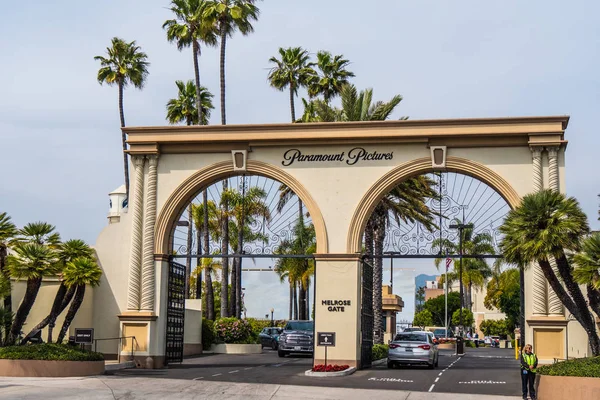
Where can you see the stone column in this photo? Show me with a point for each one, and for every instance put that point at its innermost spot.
(540, 298)
(555, 307)
(148, 267)
(135, 259)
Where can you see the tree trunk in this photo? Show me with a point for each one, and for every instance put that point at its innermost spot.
(188, 260)
(291, 315)
(124, 141)
(292, 107)
(308, 316)
(61, 300)
(8, 298)
(198, 294)
(77, 301)
(210, 293)
(196, 51)
(301, 302)
(295, 301)
(594, 296)
(379, 233)
(222, 73)
(240, 249)
(470, 293)
(369, 241)
(225, 260)
(233, 291)
(522, 306)
(33, 287)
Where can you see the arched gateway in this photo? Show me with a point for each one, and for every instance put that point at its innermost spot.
(339, 171)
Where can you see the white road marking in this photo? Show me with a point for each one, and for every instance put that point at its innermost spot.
(431, 388)
(233, 372)
(390, 380)
(437, 379)
(440, 374)
(217, 374)
(483, 383)
(197, 379)
(246, 369)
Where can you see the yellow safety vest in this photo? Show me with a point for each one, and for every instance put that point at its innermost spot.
(530, 360)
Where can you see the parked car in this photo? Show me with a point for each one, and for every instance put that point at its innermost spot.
(431, 335)
(297, 337)
(413, 348)
(413, 329)
(269, 337)
(440, 333)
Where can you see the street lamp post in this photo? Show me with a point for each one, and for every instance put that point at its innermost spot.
(461, 228)
(272, 310)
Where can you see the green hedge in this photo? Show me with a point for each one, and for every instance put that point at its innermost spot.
(259, 324)
(49, 352)
(586, 367)
(208, 333)
(380, 351)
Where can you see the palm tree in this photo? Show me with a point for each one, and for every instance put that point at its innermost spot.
(68, 251)
(246, 208)
(30, 261)
(292, 71)
(546, 225)
(332, 75)
(190, 28)
(78, 273)
(199, 212)
(41, 233)
(126, 64)
(228, 16)
(587, 270)
(184, 108)
(8, 231)
(475, 270)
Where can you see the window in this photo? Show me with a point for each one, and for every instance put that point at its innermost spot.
(411, 337)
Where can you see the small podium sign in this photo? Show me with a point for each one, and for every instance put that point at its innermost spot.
(326, 339)
(84, 336)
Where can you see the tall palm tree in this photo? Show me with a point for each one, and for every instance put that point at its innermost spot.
(126, 64)
(79, 273)
(184, 108)
(30, 261)
(41, 233)
(199, 212)
(293, 71)
(190, 28)
(8, 231)
(246, 207)
(587, 269)
(332, 75)
(67, 252)
(548, 224)
(475, 270)
(228, 16)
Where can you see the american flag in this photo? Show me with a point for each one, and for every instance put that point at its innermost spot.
(448, 262)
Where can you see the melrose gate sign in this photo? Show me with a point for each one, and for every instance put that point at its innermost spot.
(173, 164)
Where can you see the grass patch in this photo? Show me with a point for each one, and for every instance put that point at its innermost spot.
(49, 352)
(584, 367)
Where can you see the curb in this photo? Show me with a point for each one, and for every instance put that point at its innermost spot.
(117, 367)
(345, 372)
(381, 361)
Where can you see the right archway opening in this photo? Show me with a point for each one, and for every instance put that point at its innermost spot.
(429, 233)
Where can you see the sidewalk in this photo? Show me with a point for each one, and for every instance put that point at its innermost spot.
(114, 387)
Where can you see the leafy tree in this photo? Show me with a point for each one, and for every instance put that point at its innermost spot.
(437, 307)
(293, 71)
(79, 273)
(423, 319)
(503, 293)
(191, 28)
(126, 64)
(8, 231)
(30, 261)
(419, 298)
(332, 75)
(491, 327)
(547, 225)
(228, 16)
(587, 261)
(184, 108)
(467, 318)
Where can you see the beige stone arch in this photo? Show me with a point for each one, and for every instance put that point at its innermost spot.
(417, 167)
(208, 175)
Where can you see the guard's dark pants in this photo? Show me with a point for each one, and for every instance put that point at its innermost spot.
(528, 379)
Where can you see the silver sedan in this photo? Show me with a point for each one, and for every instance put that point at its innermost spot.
(413, 348)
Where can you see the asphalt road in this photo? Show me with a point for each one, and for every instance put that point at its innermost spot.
(480, 371)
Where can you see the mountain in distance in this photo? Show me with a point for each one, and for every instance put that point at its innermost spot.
(421, 279)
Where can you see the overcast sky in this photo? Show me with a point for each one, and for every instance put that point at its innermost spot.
(59, 130)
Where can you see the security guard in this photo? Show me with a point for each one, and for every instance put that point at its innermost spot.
(529, 364)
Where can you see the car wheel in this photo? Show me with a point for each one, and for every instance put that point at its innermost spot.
(437, 361)
(281, 353)
(274, 345)
(431, 366)
(390, 364)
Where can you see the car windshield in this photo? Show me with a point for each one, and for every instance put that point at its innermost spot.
(300, 326)
(439, 332)
(411, 337)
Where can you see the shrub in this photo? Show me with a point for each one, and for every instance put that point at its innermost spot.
(49, 352)
(491, 327)
(233, 330)
(380, 351)
(259, 324)
(469, 343)
(585, 367)
(208, 333)
(330, 368)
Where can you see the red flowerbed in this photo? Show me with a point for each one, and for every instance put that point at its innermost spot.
(329, 368)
